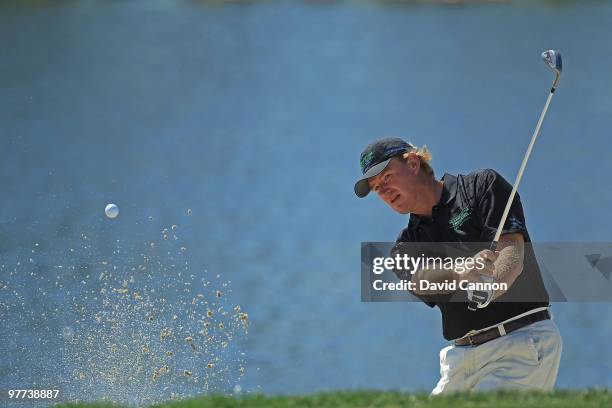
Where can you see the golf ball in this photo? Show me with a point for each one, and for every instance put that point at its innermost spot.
(112, 211)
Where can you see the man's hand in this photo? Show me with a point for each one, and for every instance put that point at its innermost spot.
(486, 257)
(504, 265)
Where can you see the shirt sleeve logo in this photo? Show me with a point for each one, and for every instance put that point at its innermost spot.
(514, 224)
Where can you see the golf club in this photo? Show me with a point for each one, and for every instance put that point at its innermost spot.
(481, 299)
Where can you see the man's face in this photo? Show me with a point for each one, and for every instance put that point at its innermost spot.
(397, 185)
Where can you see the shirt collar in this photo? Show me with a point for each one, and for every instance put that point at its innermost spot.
(449, 190)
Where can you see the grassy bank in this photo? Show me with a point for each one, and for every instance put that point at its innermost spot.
(561, 399)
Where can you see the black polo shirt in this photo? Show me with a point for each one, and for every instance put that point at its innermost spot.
(469, 210)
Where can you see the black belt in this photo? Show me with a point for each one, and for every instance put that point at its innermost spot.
(494, 332)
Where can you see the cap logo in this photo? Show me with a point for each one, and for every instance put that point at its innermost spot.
(365, 161)
(369, 159)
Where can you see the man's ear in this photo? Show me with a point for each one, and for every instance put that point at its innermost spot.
(413, 162)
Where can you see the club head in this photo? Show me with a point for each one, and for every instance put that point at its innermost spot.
(553, 59)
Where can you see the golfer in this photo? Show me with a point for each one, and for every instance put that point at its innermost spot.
(511, 343)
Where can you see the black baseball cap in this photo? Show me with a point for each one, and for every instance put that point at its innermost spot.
(374, 160)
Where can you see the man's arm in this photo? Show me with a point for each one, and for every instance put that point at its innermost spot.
(505, 266)
(441, 275)
(509, 263)
(433, 274)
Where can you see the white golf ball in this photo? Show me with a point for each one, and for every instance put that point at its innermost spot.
(112, 211)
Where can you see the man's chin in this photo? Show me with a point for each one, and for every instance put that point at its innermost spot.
(400, 209)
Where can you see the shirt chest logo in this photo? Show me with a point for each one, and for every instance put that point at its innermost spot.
(459, 219)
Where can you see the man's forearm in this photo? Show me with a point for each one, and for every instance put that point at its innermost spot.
(509, 264)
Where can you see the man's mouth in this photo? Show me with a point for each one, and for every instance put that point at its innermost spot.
(395, 199)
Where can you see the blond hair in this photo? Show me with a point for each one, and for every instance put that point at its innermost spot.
(424, 156)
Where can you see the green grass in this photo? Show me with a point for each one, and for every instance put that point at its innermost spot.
(501, 399)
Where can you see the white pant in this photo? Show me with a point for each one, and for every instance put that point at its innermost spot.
(525, 359)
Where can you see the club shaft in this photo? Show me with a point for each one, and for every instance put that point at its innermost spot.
(521, 170)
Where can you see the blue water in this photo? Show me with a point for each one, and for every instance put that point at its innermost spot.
(253, 115)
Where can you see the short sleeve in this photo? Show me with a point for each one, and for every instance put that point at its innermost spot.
(492, 194)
